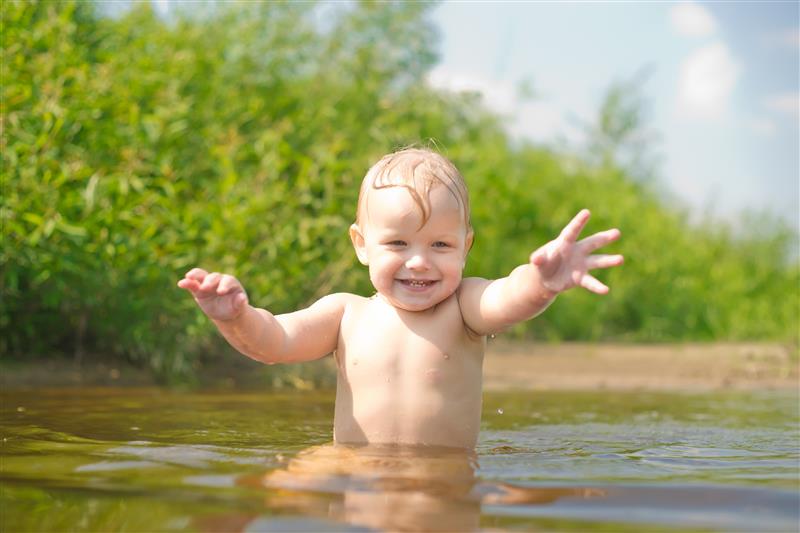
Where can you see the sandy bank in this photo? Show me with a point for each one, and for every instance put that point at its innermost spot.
(640, 366)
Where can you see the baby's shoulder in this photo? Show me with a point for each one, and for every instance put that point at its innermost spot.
(340, 301)
(470, 290)
(473, 284)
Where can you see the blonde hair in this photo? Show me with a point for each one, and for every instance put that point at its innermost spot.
(418, 170)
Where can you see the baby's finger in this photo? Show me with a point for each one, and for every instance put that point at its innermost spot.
(197, 273)
(603, 261)
(591, 283)
(544, 254)
(210, 282)
(189, 285)
(598, 240)
(227, 284)
(573, 229)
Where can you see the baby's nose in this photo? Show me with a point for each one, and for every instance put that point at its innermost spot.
(417, 261)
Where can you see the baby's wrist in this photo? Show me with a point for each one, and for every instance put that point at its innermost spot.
(231, 320)
(545, 292)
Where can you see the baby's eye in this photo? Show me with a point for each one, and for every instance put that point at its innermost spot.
(396, 243)
(440, 244)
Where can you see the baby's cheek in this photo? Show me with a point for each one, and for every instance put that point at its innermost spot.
(378, 279)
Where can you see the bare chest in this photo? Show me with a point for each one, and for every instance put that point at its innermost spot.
(408, 377)
(380, 345)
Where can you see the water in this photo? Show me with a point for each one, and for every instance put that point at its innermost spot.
(154, 460)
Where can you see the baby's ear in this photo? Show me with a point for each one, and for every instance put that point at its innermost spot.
(358, 243)
(469, 241)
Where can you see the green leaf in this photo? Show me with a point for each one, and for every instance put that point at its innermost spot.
(70, 229)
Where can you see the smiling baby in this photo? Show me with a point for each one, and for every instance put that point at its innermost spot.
(409, 358)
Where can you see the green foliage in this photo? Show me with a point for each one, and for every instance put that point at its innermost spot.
(136, 148)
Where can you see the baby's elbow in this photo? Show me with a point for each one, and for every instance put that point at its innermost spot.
(269, 354)
(267, 358)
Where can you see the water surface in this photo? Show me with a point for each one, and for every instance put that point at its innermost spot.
(155, 460)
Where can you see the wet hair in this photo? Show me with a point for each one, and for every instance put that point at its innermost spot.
(419, 170)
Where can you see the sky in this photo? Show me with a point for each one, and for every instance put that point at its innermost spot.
(722, 88)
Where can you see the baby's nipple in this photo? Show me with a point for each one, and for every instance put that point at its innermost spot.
(433, 375)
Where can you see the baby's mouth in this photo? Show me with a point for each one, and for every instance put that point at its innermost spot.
(417, 283)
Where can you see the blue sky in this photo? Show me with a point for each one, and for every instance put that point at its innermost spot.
(723, 91)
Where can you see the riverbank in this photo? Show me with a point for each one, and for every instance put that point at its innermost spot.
(685, 366)
(507, 366)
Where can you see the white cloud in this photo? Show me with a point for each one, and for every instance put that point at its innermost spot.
(540, 120)
(500, 96)
(787, 103)
(706, 81)
(689, 18)
(543, 122)
(537, 119)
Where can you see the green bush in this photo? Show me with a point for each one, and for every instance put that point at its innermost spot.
(135, 148)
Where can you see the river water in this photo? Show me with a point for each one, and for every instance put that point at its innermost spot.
(149, 459)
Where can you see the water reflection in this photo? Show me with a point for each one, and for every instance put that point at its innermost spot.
(388, 488)
(395, 488)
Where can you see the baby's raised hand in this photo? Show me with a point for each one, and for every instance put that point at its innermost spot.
(565, 262)
(220, 296)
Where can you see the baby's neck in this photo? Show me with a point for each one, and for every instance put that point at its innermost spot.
(417, 312)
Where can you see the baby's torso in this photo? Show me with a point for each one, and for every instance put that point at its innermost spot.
(407, 378)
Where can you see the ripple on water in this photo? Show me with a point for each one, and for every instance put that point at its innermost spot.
(595, 451)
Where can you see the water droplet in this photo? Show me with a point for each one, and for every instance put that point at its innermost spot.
(500, 411)
(492, 336)
(135, 428)
(20, 409)
(446, 356)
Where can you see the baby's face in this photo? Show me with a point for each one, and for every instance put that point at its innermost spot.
(413, 267)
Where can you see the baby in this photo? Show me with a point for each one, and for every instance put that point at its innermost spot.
(409, 358)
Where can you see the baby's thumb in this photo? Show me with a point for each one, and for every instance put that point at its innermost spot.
(538, 257)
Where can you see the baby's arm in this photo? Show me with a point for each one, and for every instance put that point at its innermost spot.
(300, 336)
(489, 306)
